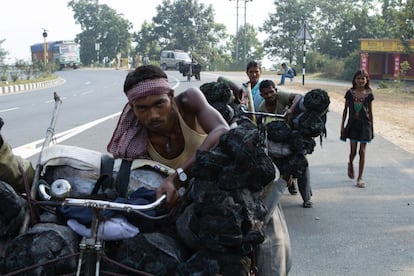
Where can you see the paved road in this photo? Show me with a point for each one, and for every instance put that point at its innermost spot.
(350, 231)
(353, 231)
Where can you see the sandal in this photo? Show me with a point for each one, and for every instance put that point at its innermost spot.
(292, 189)
(360, 183)
(291, 183)
(307, 204)
(350, 170)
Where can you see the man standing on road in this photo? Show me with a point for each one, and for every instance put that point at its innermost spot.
(279, 102)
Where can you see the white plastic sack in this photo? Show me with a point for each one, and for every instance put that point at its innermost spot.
(114, 228)
(75, 157)
(278, 150)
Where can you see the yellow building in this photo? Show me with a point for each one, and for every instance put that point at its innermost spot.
(382, 58)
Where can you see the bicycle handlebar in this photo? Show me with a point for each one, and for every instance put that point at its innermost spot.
(100, 204)
(258, 113)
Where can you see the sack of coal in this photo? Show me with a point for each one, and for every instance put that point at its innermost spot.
(12, 210)
(40, 245)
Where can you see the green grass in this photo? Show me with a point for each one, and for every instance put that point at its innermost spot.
(40, 79)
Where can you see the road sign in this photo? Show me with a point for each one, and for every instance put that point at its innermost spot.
(304, 33)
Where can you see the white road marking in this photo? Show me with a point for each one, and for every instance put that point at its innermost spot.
(30, 149)
(87, 92)
(35, 147)
(9, 109)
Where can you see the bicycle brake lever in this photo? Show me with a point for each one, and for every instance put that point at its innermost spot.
(42, 191)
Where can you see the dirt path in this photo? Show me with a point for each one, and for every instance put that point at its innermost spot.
(393, 111)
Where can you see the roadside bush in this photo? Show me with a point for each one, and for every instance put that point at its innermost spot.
(383, 84)
(315, 61)
(351, 65)
(15, 77)
(334, 68)
(3, 70)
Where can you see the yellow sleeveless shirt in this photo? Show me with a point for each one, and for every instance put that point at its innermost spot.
(192, 140)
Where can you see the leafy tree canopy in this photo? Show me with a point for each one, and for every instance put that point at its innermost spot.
(3, 52)
(189, 25)
(104, 32)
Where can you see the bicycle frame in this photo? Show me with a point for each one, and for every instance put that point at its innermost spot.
(92, 247)
(261, 123)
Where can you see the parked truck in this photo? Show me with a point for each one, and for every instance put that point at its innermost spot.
(64, 53)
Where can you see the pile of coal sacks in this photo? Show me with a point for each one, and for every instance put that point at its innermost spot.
(225, 219)
(289, 143)
(221, 97)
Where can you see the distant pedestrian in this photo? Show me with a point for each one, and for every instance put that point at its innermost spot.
(118, 61)
(254, 72)
(145, 60)
(360, 124)
(287, 73)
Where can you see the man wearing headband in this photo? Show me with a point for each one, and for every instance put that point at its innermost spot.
(279, 102)
(156, 125)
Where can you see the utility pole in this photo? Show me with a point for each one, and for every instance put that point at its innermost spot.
(44, 48)
(245, 51)
(237, 31)
(304, 54)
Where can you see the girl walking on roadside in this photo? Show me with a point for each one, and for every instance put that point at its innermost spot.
(359, 128)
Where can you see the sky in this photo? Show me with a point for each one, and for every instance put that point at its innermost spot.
(22, 21)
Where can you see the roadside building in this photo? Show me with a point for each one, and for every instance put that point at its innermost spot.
(382, 58)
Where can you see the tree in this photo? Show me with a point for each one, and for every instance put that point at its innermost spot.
(405, 23)
(147, 42)
(188, 25)
(248, 46)
(387, 19)
(336, 26)
(182, 24)
(339, 25)
(104, 32)
(282, 27)
(3, 52)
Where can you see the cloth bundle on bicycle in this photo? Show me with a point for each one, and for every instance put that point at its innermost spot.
(84, 215)
(92, 175)
(113, 228)
(81, 167)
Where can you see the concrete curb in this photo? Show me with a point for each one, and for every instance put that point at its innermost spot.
(30, 86)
